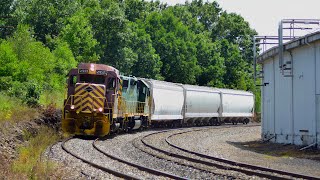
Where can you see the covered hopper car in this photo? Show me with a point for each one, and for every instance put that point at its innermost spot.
(100, 101)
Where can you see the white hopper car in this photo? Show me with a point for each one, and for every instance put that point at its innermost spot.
(183, 105)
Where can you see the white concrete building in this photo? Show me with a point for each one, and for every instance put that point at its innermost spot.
(291, 94)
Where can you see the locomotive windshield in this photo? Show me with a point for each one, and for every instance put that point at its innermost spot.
(90, 78)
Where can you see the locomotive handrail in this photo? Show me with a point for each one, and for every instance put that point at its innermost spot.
(134, 107)
(71, 99)
(141, 108)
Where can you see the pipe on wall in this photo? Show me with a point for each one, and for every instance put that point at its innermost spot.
(292, 107)
(315, 90)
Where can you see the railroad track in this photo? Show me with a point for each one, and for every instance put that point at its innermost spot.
(212, 161)
(105, 169)
(115, 172)
(140, 167)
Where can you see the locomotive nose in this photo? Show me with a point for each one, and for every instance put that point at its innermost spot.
(89, 97)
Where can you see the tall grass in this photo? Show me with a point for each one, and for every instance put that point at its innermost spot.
(52, 97)
(13, 110)
(29, 161)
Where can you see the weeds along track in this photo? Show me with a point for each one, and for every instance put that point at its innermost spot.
(105, 169)
(204, 162)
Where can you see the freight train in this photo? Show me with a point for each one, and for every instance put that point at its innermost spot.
(99, 101)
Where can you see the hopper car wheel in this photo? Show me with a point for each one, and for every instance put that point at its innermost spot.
(246, 121)
(156, 125)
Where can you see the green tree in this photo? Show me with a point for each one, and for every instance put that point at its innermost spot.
(113, 32)
(6, 9)
(237, 31)
(206, 13)
(31, 68)
(148, 64)
(45, 17)
(210, 60)
(235, 76)
(135, 9)
(175, 45)
(79, 35)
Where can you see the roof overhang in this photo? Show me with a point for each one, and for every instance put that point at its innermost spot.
(305, 40)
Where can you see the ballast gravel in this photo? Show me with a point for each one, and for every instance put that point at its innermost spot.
(215, 141)
(77, 168)
(158, 140)
(123, 143)
(225, 143)
(84, 149)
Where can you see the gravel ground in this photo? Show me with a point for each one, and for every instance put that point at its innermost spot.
(85, 149)
(158, 140)
(77, 169)
(123, 143)
(225, 142)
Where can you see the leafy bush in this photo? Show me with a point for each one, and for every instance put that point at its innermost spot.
(5, 83)
(28, 92)
(52, 98)
(33, 94)
(30, 68)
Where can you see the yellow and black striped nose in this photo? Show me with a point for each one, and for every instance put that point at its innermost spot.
(89, 97)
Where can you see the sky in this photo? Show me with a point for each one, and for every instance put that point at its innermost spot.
(264, 15)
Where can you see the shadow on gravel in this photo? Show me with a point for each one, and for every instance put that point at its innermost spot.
(277, 150)
(110, 136)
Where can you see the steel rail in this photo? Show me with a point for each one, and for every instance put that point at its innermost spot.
(182, 164)
(105, 169)
(217, 165)
(235, 163)
(143, 168)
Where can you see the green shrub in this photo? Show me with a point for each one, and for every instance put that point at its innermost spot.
(28, 92)
(52, 98)
(33, 94)
(5, 83)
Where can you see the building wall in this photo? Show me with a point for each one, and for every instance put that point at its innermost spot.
(268, 100)
(317, 66)
(291, 105)
(304, 95)
(283, 103)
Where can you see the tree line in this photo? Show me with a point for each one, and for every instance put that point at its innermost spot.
(193, 43)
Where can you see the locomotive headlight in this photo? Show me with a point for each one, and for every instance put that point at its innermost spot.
(100, 109)
(92, 67)
(72, 107)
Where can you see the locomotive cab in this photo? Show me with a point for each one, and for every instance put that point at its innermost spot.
(135, 96)
(90, 107)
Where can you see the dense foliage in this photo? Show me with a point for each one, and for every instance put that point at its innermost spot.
(193, 43)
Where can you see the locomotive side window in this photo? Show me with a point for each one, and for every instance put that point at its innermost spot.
(133, 82)
(73, 80)
(111, 83)
(125, 84)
